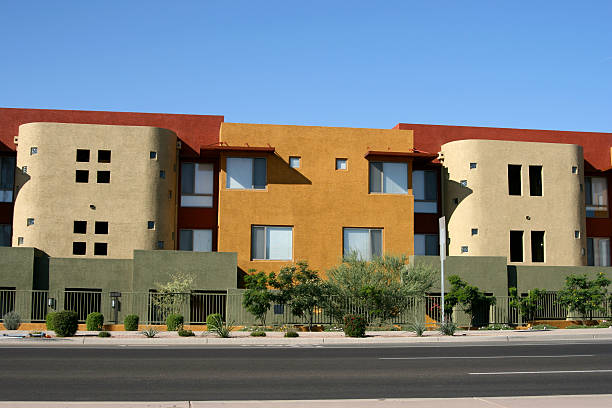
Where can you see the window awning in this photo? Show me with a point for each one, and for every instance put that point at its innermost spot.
(415, 155)
(246, 148)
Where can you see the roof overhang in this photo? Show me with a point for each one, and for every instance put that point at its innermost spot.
(228, 148)
(414, 155)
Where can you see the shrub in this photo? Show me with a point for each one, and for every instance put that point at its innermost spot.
(94, 321)
(150, 332)
(174, 322)
(354, 325)
(50, 318)
(65, 323)
(448, 328)
(292, 333)
(185, 333)
(258, 333)
(130, 322)
(417, 326)
(543, 327)
(11, 320)
(104, 334)
(215, 324)
(257, 298)
(583, 295)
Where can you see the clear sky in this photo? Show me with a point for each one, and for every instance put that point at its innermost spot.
(527, 64)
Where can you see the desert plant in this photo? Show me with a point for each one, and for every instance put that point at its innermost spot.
(256, 299)
(49, 319)
(584, 295)
(172, 295)
(185, 333)
(94, 321)
(174, 322)
(543, 327)
(526, 305)
(292, 333)
(258, 333)
(447, 328)
(11, 320)
(417, 326)
(215, 324)
(104, 334)
(130, 322)
(65, 323)
(470, 297)
(150, 332)
(354, 325)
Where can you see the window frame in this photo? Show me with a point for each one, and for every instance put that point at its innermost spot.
(195, 166)
(595, 210)
(371, 177)
(266, 243)
(192, 237)
(253, 185)
(371, 254)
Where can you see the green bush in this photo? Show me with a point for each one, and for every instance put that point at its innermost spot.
(258, 333)
(65, 323)
(11, 320)
(185, 333)
(417, 326)
(150, 332)
(104, 334)
(354, 325)
(215, 324)
(174, 322)
(94, 321)
(50, 318)
(543, 327)
(130, 322)
(292, 333)
(448, 328)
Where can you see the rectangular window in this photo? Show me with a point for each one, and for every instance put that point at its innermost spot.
(389, 177)
(152, 155)
(341, 164)
(294, 162)
(246, 173)
(101, 227)
(30, 221)
(79, 248)
(425, 191)
(80, 227)
(7, 179)
(365, 242)
(33, 150)
(199, 240)
(82, 176)
(104, 156)
(537, 246)
(514, 179)
(596, 197)
(82, 155)
(598, 251)
(160, 244)
(151, 225)
(426, 244)
(5, 235)
(516, 246)
(535, 181)
(272, 243)
(100, 248)
(103, 177)
(197, 184)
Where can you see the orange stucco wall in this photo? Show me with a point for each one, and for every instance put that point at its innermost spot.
(316, 199)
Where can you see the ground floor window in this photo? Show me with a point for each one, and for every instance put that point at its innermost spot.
(365, 242)
(5, 235)
(271, 243)
(426, 244)
(598, 251)
(197, 240)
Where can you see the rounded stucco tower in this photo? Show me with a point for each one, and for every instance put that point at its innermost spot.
(521, 200)
(95, 190)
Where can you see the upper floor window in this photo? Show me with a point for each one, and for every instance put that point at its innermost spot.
(425, 190)
(7, 179)
(596, 196)
(246, 173)
(197, 240)
(514, 179)
(294, 162)
(271, 243)
(5, 235)
(197, 184)
(389, 177)
(426, 244)
(365, 242)
(537, 246)
(82, 155)
(341, 164)
(598, 251)
(104, 156)
(535, 180)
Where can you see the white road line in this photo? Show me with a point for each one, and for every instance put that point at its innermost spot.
(481, 357)
(543, 372)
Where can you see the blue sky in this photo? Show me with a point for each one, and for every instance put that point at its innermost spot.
(526, 64)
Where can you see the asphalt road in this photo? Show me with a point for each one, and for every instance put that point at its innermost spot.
(205, 373)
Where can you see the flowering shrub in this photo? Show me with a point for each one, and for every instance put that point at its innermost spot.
(354, 325)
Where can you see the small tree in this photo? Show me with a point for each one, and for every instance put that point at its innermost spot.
(584, 295)
(173, 294)
(527, 305)
(257, 297)
(300, 288)
(470, 297)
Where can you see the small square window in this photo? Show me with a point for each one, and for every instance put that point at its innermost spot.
(472, 165)
(24, 169)
(574, 170)
(162, 174)
(341, 164)
(151, 225)
(294, 162)
(30, 221)
(100, 248)
(474, 231)
(33, 150)
(19, 240)
(101, 227)
(152, 155)
(577, 234)
(104, 156)
(79, 248)
(456, 201)
(464, 249)
(104, 177)
(160, 244)
(80, 227)
(82, 176)
(82, 155)
(463, 183)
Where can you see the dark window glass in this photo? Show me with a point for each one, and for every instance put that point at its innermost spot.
(7, 173)
(104, 176)
(516, 246)
(186, 240)
(82, 176)
(432, 245)
(101, 227)
(537, 246)
(589, 191)
(376, 170)
(590, 252)
(514, 179)
(79, 248)
(187, 178)
(431, 186)
(80, 227)
(259, 173)
(258, 243)
(100, 248)
(376, 242)
(104, 156)
(535, 180)
(82, 155)
(5, 235)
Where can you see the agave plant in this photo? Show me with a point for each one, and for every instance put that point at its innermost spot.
(150, 332)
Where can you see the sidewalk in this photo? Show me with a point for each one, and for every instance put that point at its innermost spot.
(306, 338)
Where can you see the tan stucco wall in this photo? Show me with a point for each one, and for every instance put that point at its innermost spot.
(136, 193)
(317, 200)
(485, 203)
